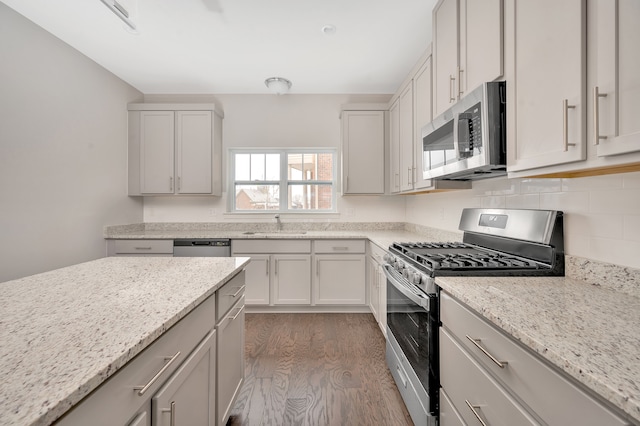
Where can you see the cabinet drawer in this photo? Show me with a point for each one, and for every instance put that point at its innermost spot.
(270, 246)
(116, 399)
(449, 416)
(339, 246)
(229, 294)
(143, 247)
(527, 376)
(468, 385)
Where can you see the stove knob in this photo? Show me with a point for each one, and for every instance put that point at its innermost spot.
(389, 258)
(406, 273)
(416, 278)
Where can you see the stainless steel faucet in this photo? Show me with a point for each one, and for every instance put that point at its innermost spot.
(278, 222)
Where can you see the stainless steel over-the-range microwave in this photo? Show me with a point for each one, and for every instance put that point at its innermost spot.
(468, 141)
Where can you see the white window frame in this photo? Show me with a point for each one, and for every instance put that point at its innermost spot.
(284, 182)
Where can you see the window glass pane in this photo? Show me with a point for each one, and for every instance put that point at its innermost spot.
(257, 197)
(294, 167)
(310, 197)
(273, 166)
(242, 166)
(257, 167)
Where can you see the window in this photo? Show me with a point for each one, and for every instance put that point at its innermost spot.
(287, 180)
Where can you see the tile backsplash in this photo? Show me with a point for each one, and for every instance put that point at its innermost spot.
(602, 213)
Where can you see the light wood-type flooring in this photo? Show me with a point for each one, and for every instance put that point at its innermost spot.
(316, 369)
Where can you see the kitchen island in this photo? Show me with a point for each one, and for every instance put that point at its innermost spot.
(65, 332)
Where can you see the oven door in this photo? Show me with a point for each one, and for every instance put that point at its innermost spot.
(412, 318)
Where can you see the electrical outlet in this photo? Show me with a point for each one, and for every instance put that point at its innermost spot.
(213, 212)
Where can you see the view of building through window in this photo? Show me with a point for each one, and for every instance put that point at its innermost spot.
(287, 180)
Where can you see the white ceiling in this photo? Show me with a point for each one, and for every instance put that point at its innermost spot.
(231, 46)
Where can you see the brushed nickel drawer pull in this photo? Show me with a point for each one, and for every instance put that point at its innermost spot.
(143, 389)
(340, 248)
(236, 315)
(476, 342)
(565, 121)
(475, 413)
(143, 248)
(240, 290)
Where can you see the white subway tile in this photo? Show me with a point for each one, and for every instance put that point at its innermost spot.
(540, 185)
(620, 252)
(496, 186)
(605, 225)
(577, 245)
(631, 180)
(525, 201)
(565, 201)
(618, 201)
(631, 228)
(592, 183)
(493, 202)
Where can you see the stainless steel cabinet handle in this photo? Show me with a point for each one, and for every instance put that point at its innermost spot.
(142, 389)
(476, 342)
(143, 248)
(596, 115)
(268, 262)
(408, 175)
(317, 267)
(276, 270)
(171, 183)
(460, 91)
(179, 183)
(340, 248)
(452, 84)
(172, 413)
(475, 413)
(240, 290)
(565, 128)
(238, 313)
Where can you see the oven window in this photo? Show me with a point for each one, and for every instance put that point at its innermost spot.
(438, 146)
(414, 332)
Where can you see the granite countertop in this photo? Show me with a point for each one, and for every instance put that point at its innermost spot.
(64, 332)
(592, 333)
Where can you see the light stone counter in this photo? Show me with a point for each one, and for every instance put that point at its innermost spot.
(64, 332)
(590, 332)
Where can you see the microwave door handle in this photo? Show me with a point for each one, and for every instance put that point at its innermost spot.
(414, 297)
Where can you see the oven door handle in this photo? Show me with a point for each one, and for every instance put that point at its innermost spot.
(415, 297)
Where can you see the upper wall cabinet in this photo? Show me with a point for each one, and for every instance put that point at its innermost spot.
(616, 89)
(363, 148)
(546, 103)
(573, 100)
(175, 149)
(401, 141)
(467, 48)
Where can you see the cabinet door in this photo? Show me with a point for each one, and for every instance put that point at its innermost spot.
(481, 34)
(374, 288)
(445, 54)
(339, 280)
(382, 288)
(405, 103)
(291, 279)
(194, 138)
(618, 77)
(363, 152)
(547, 101)
(188, 396)
(394, 147)
(156, 152)
(421, 116)
(142, 419)
(257, 280)
(230, 362)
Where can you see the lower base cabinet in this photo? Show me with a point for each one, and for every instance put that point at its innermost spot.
(339, 279)
(191, 375)
(512, 385)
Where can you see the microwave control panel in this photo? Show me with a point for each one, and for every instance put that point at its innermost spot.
(470, 132)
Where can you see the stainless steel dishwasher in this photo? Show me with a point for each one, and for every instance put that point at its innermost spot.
(202, 247)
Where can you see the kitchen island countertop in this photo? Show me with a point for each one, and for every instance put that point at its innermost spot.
(589, 332)
(66, 331)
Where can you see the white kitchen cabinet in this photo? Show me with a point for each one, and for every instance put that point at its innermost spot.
(481, 364)
(546, 102)
(230, 361)
(339, 272)
(616, 89)
(377, 284)
(394, 147)
(363, 151)
(467, 48)
(279, 272)
(186, 398)
(421, 116)
(405, 128)
(174, 149)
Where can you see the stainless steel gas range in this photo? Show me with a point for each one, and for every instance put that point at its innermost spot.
(496, 242)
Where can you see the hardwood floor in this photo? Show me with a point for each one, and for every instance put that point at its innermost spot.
(316, 369)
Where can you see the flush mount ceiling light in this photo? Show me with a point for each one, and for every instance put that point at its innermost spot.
(328, 30)
(278, 85)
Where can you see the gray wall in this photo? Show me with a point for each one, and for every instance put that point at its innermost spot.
(63, 151)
